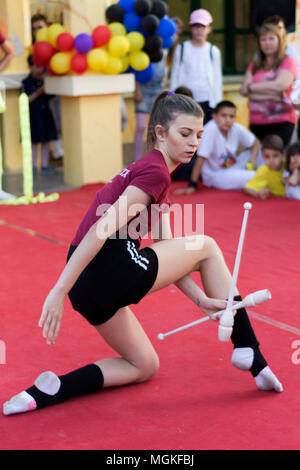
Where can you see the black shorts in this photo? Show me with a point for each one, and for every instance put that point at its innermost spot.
(283, 129)
(119, 275)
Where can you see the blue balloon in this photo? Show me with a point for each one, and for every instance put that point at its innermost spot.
(166, 28)
(132, 22)
(144, 76)
(127, 5)
(168, 42)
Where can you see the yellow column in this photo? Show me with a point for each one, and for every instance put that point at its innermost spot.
(91, 125)
(93, 147)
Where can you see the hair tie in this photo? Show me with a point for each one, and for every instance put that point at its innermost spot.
(171, 93)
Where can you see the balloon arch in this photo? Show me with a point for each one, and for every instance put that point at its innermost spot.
(136, 33)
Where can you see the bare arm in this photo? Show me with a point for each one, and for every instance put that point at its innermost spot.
(195, 175)
(293, 178)
(281, 83)
(93, 241)
(138, 94)
(275, 96)
(261, 194)
(34, 96)
(254, 152)
(8, 51)
(244, 91)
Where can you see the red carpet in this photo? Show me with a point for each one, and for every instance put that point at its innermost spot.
(197, 400)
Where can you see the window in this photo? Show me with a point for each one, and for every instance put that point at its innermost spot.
(231, 29)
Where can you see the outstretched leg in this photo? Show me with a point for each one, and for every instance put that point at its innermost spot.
(137, 362)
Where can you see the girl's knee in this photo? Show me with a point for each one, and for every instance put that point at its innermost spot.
(211, 244)
(148, 367)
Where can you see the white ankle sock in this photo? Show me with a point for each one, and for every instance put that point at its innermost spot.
(266, 380)
(19, 404)
(47, 382)
(242, 358)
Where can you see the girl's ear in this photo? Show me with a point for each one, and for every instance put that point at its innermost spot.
(160, 133)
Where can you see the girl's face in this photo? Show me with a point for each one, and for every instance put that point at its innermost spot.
(180, 142)
(37, 72)
(200, 33)
(295, 161)
(269, 43)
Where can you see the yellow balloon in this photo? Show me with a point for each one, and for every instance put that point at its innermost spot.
(125, 63)
(139, 60)
(42, 35)
(97, 59)
(60, 63)
(136, 41)
(114, 65)
(117, 29)
(118, 46)
(53, 31)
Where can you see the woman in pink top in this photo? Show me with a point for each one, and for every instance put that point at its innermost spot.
(107, 271)
(268, 84)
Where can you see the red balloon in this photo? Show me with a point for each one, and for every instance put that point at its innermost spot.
(65, 42)
(38, 62)
(79, 63)
(43, 51)
(101, 35)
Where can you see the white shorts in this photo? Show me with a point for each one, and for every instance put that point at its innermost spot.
(234, 177)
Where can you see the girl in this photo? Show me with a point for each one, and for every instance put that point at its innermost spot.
(106, 271)
(291, 176)
(42, 123)
(268, 84)
(197, 64)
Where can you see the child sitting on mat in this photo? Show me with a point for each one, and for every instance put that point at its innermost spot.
(268, 177)
(291, 176)
(217, 156)
(107, 270)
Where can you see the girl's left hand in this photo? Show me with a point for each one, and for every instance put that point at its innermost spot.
(211, 306)
(52, 313)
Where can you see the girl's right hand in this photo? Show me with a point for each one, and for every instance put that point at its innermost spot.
(52, 313)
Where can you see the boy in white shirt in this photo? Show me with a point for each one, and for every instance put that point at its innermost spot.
(217, 156)
(197, 64)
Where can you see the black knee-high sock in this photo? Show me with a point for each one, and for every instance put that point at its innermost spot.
(243, 336)
(87, 379)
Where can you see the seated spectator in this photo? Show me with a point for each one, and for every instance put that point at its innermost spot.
(268, 177)
(291, 176)
(217, 159)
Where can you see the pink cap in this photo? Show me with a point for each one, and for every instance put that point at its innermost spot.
(201, 17)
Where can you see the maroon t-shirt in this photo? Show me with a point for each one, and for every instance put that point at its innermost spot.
(150, 174)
